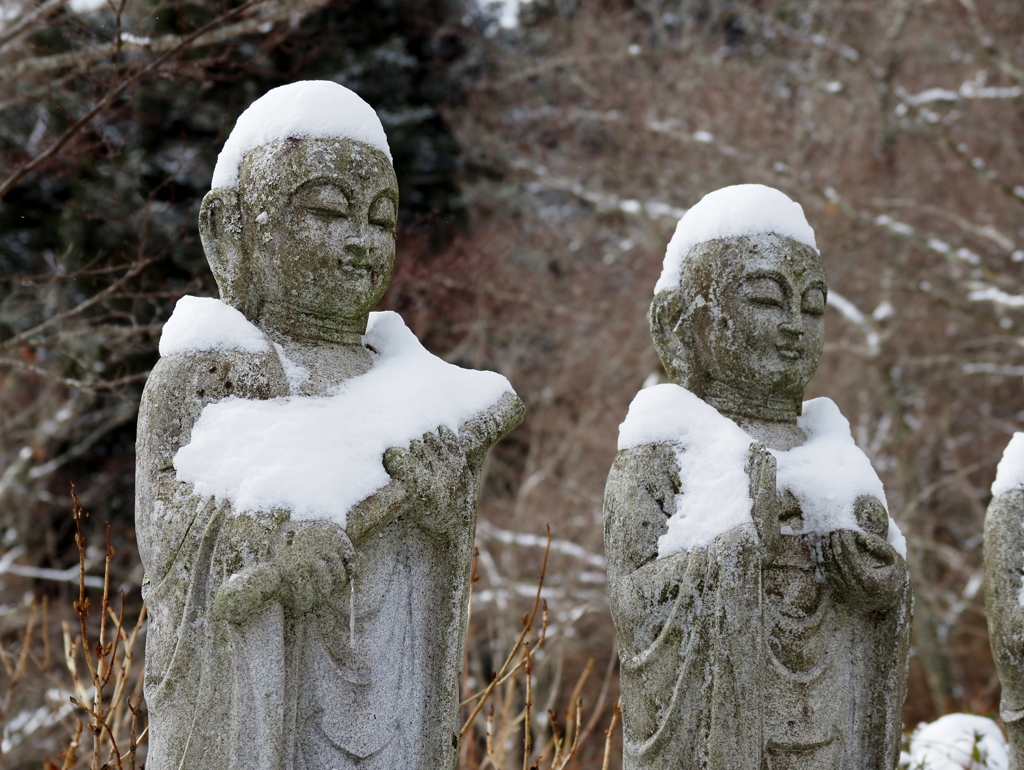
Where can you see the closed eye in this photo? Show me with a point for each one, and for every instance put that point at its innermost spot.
(813, 301)
(326, 212)
(765, 291)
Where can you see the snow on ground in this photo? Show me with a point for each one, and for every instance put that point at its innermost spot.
(1010, 472)
(318, 457)
(318, 108)
(957, 742)
(204, 323)
(826, 475)
(743, 209)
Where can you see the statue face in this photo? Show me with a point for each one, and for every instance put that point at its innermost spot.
(761, 327)
(318, 225)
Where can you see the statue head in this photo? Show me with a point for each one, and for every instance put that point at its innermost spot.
(301, 219)
(738, 313)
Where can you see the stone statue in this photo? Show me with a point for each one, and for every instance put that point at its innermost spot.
(1004, 568)
(321, 626)
(756, 581)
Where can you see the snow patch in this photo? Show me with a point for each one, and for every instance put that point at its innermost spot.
(318, 457)
(826, 475)
(957, 742)
(1010, 471)
(296, 374)
(829, 472)
(745, 209)
(317, 108)
(204, 323)
(711, 451)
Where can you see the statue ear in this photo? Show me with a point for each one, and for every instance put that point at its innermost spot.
(671, 335)
(220, 228)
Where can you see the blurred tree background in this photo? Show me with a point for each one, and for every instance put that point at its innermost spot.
(545, 151)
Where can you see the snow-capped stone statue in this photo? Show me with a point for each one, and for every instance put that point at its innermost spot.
(307, 472)
(757, 583)
(1004, 591)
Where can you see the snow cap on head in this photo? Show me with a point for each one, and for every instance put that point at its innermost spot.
(316, 108)
(743, 209)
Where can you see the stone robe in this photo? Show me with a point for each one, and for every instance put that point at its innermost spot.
(1004, 568)
(730, 663)
(367, 680)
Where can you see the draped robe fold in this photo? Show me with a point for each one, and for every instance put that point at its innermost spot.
(266, 694)
(699, 665)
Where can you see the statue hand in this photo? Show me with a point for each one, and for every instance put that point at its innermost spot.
(862, 568)
(246, 593)
(433, 471)
(871, 515)
(765, 509)
(315, 564)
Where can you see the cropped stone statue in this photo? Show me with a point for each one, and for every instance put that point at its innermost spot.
(307, 473)
(757, 583)
(1004, 591)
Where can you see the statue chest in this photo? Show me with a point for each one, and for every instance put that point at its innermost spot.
(804, 636)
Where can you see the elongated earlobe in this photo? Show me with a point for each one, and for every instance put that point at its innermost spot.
(665, 315)
(673, 340)
(220, 228)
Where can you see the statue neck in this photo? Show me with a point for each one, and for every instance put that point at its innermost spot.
(282, 320)
(740, 406)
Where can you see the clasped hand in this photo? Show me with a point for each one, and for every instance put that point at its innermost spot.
(305, 570)
(862, 569)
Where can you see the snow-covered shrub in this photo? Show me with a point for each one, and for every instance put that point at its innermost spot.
(956, 742)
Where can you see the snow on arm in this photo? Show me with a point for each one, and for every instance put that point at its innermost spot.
(204, 323)
(826, 474)
(318, 457)
(1010, 472)
(711, 452)
(743, 209)
(829, 472)
(316, 108)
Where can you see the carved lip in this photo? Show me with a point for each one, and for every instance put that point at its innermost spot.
(354, 267)
(790, 352)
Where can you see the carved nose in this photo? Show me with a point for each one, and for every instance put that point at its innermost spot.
(789, 327)
(356, 250)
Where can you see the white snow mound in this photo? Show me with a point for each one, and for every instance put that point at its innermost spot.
(829, 472)
(1010, 472)
(318, 457)
(743, 209)
(826, 474)
(957, 742)
(204, 323)
(317, 108)
(711, 452)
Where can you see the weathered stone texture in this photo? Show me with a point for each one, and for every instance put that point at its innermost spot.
(289, 645)
(1004, 571)
(768, 648)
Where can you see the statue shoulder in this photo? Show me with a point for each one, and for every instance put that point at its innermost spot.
(639, 499)
(648, 468)
(181, 385)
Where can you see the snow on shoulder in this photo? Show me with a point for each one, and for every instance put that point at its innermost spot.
(826, 474)
(318, 457)
(317, 108)
(711, 451)
(204, 323)
(1010, 472)
(743, 209)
